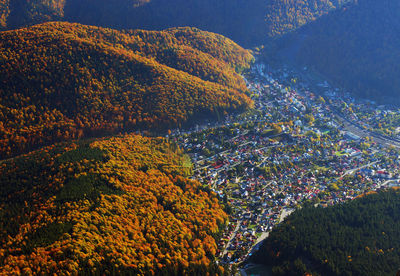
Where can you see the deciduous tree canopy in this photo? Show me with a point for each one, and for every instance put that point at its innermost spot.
(63, 81)
(116, 205)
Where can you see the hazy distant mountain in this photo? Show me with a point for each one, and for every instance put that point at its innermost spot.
(245, 21)
(63, 81)
(358, 47)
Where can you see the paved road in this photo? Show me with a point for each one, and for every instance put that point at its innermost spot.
(231, 238)
(389, 181)
(285, 212)
(351, 171)
(258, 243)
(240, 135)
(218, 154)
(236, 164)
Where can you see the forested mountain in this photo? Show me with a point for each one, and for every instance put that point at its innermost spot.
(287, 15)
(116, 206)
(248, 22)
(62, 81)
(357, 47)
(361, 237)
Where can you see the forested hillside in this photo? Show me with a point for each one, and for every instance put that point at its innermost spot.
(358, 48)
(4, 12)
(248, 22)
(288, 15)
(116, 206)
(62, 81)
(361, 237)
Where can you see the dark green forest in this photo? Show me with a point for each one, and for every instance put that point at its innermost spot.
(361, 237)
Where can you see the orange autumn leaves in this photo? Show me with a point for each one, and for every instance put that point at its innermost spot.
(117, 205)
(63, 81)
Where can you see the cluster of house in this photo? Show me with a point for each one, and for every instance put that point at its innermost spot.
(382, 119)
(263, 172)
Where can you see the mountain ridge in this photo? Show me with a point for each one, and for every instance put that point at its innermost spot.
(248, 22)
(65, 81)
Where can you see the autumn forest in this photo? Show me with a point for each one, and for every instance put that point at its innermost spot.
(188, 137)
(63, 81)
(115, 205)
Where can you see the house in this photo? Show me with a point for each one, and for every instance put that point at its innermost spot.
(383, 174)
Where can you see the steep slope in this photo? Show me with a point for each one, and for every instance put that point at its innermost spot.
(248, 22)
(284, 16)
(62, 81)
(361, 237)
(358, 48)
(111, 206)
(4, 13)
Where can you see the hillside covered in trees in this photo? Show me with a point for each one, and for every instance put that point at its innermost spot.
(285, 16)
(247, 22)
(357, 47)
(62, 81)
(361, 237)
(110, 206)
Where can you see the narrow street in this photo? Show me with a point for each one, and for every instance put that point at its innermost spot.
(231, 237)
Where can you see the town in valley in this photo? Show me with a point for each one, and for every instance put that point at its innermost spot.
(304, 143)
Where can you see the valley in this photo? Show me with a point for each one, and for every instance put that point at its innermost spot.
(301, 143)
(138, 144)
(298, 147)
